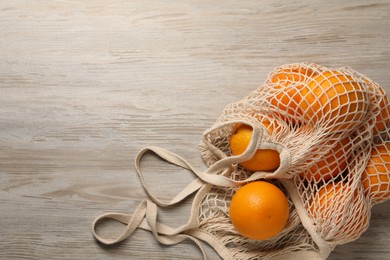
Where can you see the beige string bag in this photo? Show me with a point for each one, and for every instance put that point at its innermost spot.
(334, 151)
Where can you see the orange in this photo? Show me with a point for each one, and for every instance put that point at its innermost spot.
(380, 101)
(376, 176)
(284, 98)
(383, 115)
(287, 107)
(332, 207)
(259, 210)
(332, 163)
(269, 123)
(263, 159)
(293, 74)
(329, 197)
(333, 98)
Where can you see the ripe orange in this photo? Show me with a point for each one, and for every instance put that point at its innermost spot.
(333, 98)
(286, 104)
(331, 206)
(380, 101)
(382, 118)
(284, 99)
(332, 163)
(263, 159)
(328, 197)
(293, 74)
(269, 123)
(376, 176)
(259, 210)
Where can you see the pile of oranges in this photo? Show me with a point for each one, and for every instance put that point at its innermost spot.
(306, 98)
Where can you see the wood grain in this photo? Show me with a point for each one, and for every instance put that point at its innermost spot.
(86, 84)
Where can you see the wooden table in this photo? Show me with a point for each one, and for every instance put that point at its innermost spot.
(84, 85)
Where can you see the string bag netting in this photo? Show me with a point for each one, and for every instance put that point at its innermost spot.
(330, 128)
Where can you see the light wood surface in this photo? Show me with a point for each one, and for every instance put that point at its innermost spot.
(86, 84)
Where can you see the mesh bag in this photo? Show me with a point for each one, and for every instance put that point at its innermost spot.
(331, 130)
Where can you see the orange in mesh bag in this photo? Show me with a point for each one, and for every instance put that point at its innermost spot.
(329, 129)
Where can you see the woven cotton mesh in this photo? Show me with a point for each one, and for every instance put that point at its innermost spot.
(330, 122)
(214, 218)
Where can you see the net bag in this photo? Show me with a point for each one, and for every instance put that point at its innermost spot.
(330, 128)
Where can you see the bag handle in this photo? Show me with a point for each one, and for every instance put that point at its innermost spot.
(216, 174)
(145, 215)
(324, 247)
(175, 160)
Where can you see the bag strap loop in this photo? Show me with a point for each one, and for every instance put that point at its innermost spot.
(145, 215)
